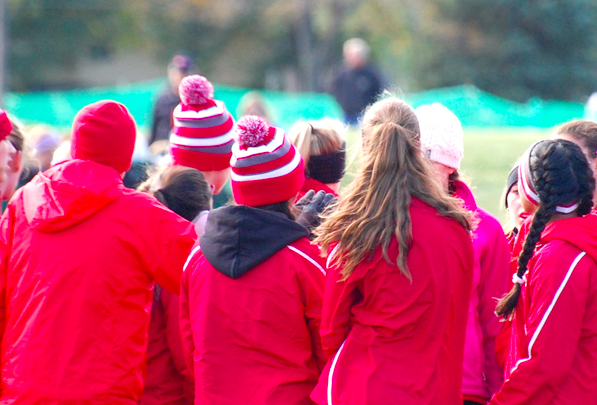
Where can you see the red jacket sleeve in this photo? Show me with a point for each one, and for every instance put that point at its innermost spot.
(186, 333)
(557, 292)
(495, 263)
(6, 230)
(336, 317)
(312, 278)
(169, 239)
(171, 303)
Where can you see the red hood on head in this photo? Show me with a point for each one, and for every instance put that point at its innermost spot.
(66, 194)
(580, 232)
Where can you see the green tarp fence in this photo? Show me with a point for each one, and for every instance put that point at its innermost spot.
(474, 107)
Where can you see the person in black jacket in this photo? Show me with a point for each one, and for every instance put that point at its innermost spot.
(357, 84)
(180, 67)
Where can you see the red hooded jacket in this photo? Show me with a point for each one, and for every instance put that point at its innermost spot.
(80, 256)
(250, 310)
(553, 354)
(393, 341)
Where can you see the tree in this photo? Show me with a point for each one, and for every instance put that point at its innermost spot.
(518, 50)
(48, 37)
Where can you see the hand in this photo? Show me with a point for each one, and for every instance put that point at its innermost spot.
(312, 205)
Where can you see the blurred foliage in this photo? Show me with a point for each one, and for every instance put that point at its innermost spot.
(518, 50)
(514, 49)
(49, 36)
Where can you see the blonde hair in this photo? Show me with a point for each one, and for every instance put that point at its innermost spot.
(375, 208)
(316, 138)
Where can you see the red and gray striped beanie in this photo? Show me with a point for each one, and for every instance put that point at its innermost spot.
(202, 132)
(266, 167)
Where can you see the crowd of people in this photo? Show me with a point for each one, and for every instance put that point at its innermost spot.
(295, 292)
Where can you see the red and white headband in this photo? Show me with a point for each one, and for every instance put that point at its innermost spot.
(525, 179)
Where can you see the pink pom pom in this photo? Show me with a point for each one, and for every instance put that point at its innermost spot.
(195, 90)
(251, 131)
(5, 125)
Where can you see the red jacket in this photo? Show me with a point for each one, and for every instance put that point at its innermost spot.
(251, 301)
(396, 341)
(80, 256)
(167, 380)
(482, 375)
(553, 355)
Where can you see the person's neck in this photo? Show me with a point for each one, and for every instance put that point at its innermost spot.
(557, 216)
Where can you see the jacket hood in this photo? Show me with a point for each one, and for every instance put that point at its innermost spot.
(465, 194)
(68, 193)
(580, 232)
(238, 238)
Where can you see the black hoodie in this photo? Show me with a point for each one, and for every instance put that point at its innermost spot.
(238, 238)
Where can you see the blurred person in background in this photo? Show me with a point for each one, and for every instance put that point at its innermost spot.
(45, 141)
(357, 83)
(253, 103)
(80, 256)
(180, 67)
(201, 135)
(442, 144)
(323, 148)
(167, 380)
(21, 167)
(6, 148)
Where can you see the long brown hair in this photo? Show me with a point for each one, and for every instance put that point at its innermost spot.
(376, 204)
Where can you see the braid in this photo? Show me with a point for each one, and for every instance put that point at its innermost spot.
(507, 304)
(561, 174)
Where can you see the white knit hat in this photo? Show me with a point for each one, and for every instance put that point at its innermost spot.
(441, 135)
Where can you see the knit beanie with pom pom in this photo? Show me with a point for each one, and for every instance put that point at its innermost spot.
(266, 168)
(441, 135)
(202, 132)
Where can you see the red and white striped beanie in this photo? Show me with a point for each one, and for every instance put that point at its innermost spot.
(202, 132)
(266, 167)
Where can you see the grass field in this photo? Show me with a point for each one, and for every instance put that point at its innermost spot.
(489, 154)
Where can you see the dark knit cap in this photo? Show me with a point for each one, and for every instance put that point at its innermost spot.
(512, 180)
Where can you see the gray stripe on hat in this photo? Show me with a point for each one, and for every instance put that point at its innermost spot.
(202, 123)
(216, 150)
(265, 157)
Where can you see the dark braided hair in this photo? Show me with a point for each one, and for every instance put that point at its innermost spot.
(561, 175)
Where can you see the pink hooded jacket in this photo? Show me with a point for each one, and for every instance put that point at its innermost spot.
(482, 376)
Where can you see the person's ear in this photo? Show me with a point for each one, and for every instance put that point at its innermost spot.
(16, 160)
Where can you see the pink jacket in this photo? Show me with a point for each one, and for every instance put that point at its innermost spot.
(482, 375)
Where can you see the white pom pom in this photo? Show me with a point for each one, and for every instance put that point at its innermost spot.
(251, 131)
(195, 90)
